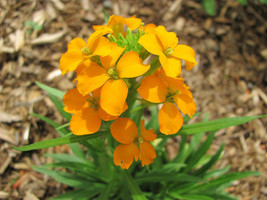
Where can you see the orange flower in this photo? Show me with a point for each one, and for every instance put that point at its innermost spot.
(164, 44)
(79, 51)
(115, 25)
(87, 113)
(159, 88)
(125, 131)
(109, 75)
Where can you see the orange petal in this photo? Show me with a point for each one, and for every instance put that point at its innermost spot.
(170, 119)
(124, 155)
(147, 153)
(186, 53)
(74, 101)
(91, 78)
(171, 66)
(131, 65)
(70, 60)
(113, 96)
(84, 64)
(73, 57)
(147, 135)
(167, 39)
(105, 116)
(94, 36)
(132, 22)
(76, 44)
(153, 89)
(150, 28)
(124, 130)
(110, 60)
(151, 43)
(185, 104)
(85, 122)
(101, 46)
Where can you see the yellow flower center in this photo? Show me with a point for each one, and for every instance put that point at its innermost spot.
(168, 51)
(86, 51)
(140, 140)
(112, 73)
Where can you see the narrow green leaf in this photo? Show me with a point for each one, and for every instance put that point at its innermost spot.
(196, 139)
(209, 6)
(65, 178)
(63, 126)
(191, 197)
(51, 90)
(242, 2)
(58, 141)
(216, 172)
(60, 107)
(263, 1)
(106, 15)
(105, 193)
(213, 125)
(225, 179)
(133, 186)
(153, 122)
(62, 132)
(209, 164)
(194, 158)
(75, 148)
(163, 176)
(184, 151)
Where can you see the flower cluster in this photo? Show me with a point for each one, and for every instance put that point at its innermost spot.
(110, 69)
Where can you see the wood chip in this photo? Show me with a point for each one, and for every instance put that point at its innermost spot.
(30, 196)
(4, 135)
(58, 4)
(47, 38)
(3, 195)
(8, 118)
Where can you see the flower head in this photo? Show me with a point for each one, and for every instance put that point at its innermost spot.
(132, 146)
(87, 113)
(159, 88)
(165, 44)
(110, 75)
(115, 25)
(80, 51)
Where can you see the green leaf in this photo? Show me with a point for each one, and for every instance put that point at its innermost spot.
(191, 197)
(210, 163)
(213, 125)
(51, 90)
(60, 107)
(209, 6)
(75, 148)
(163, 176)
(106, 15)
(194, 158)
(58, 141)
(226, 179)
(263, 1)
(242, 2)
(65, 178)
(153, 122)
(105, 193)
(216, 172)
(133, 186)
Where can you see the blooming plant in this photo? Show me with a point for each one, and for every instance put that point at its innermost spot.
(124, 69)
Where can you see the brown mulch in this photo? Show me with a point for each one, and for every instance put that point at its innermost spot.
(230, 79)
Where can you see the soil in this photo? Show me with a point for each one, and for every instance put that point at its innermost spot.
(229, 80)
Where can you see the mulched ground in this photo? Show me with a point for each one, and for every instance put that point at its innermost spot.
(230, 79)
